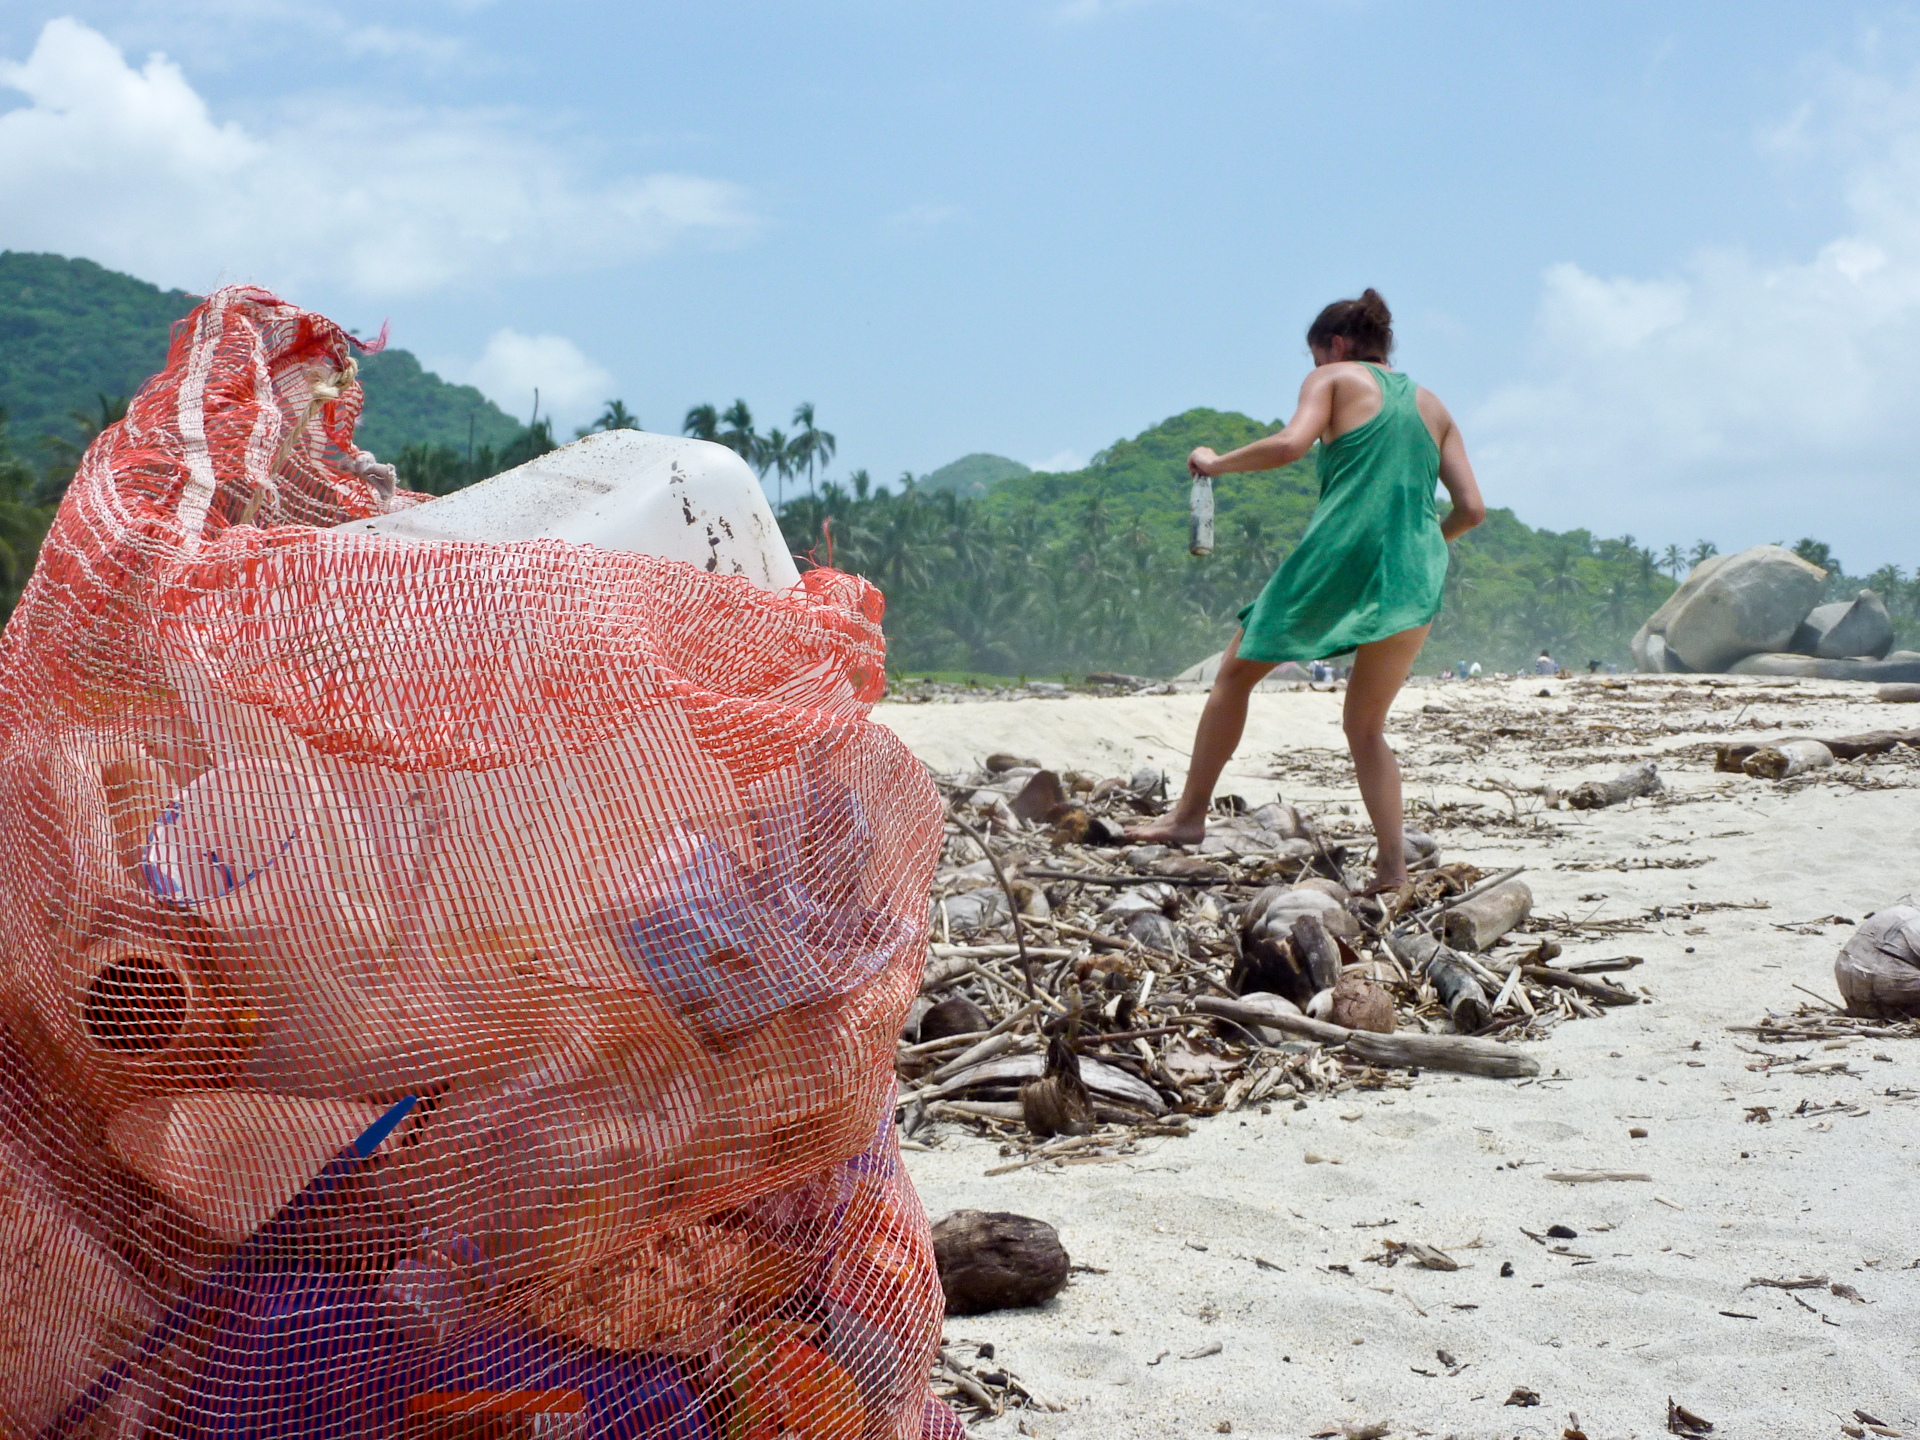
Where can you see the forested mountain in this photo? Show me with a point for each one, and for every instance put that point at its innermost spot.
(973, 475)
(74, 334)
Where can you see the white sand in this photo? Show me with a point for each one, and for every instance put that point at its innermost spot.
(1309, 1348)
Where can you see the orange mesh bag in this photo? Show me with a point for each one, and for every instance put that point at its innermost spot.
(446, 989)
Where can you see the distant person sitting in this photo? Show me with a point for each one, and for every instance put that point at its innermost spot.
(1368, 575)
(1593, 667)
(1473, 671)
(1545, 665)
(1320, 672)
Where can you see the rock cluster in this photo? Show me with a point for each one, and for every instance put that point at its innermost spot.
(1754, 613)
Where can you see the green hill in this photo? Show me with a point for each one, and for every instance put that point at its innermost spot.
(72, 331)
(973, 475)
(407, 405)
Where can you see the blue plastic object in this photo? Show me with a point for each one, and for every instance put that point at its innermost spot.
(629, 1397)
(233, 1280)
(300, 1354)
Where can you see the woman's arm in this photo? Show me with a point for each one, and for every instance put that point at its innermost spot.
(1456, 473)
(1310, 418)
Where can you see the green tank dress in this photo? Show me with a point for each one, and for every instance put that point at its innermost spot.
(1373, 562)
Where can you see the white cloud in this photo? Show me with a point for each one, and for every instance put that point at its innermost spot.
(130, 167)
(572, 387)
(1738, 399)
(1065, 463)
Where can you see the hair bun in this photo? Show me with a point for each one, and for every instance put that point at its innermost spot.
(1375, 307)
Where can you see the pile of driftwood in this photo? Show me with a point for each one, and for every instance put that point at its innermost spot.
(1084, 991)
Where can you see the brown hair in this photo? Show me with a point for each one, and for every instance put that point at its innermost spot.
(1366, 322)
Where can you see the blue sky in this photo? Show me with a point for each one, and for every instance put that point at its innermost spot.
(1663, 262)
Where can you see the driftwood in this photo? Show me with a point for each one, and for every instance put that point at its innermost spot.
(997, 1261)
(1457, 986)
(1458, 1053)
(1565, 980)
(1731, 757)
(1058, 1103)
(1476, 923)
(1878, 971)
(1641, 778)
(1900, 694)
(1786, 759)
(1107, 1082)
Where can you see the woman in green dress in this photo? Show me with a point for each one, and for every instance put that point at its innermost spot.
(1367, 575)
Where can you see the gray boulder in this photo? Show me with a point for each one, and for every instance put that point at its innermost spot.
(1747, 604)
(1899, 668)
(1846, 629)
(1651, 654)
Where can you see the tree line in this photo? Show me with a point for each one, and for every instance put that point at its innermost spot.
(1052, 574)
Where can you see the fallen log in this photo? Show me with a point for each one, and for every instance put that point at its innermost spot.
(1900, 694)
(1638, 779)
(1460, 1054)
(1457, 986)
(1476, 923)
(1731, 757)
(998, 1261)
(1787, 759)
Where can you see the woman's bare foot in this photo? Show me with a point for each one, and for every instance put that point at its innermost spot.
(1386, 884)
(1169, 829)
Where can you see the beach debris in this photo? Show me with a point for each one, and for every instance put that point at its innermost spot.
(1594, 1177)
(1787, 758)
(956, 1015)
(1177, 979)
(1457, 987)
(1476, 922)
(1058, 1103)
(997, 1261)
(1522, 1396)
(985, 1384)
(1362, 1004)
(1900, 694)
(1682, 1421)
(1640, 778)
(1878, 969)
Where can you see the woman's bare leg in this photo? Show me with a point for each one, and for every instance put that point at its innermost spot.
(1379, 670)
(1221, 724)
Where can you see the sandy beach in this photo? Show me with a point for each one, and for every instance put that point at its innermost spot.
(1227, 1283)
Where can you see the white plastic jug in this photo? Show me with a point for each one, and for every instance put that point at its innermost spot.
(620, 490)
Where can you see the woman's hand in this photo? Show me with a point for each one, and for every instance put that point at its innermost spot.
(1203, 461)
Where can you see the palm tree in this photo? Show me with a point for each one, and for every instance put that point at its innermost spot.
(862, 482)
(52, 488)
(1673, 561)
(1702, 549)
(812, 443)
(617, 417)
(702, 423)
(776, 453)
(739, 435)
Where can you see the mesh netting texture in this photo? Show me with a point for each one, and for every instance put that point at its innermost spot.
(446, 989)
